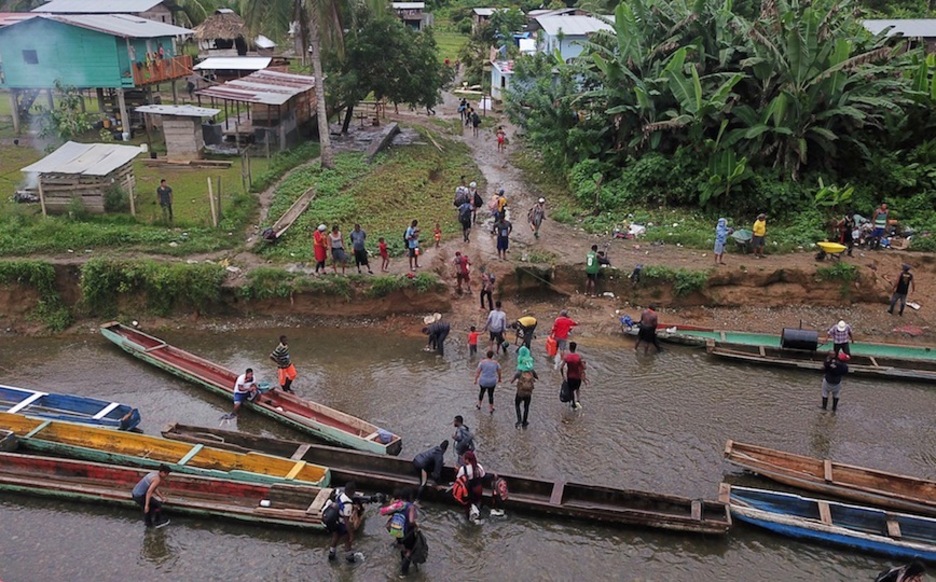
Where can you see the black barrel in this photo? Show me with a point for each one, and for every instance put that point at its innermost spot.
(799, 339)
(212, 133)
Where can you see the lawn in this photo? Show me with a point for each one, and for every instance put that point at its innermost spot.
(449, 44)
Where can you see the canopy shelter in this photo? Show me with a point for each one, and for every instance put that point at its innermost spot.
(223, 69)
(223, 30)
(182, 128)
(278, 105)
(83, 172)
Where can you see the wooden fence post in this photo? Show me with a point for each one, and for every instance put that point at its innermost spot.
(211, 203)
(130, 194)
(42, 197)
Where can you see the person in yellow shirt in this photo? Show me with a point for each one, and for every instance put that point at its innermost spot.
(524, 328)
(760, 231)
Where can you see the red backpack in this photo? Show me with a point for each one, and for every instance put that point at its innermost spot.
(460, 490)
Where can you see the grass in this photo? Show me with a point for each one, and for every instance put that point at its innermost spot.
(449, 44)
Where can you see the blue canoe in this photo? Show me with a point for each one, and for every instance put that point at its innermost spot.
(70, 408)
(868, 529)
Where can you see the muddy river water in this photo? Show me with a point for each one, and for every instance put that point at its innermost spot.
(657, 423)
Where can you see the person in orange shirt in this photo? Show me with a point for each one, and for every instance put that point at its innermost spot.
(437, 235)
(473, 334)
(320, 247)
(384, 255)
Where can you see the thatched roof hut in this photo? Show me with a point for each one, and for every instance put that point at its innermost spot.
(224, 24)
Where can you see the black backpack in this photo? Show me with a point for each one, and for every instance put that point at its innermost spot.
(478, 201)
(331, 515)
(464, 213)
(565, 393)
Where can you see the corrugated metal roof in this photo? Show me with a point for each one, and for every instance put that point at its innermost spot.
(264, 42)
(89, 159)
(571, 25)
(912, 28)
(122, 25)
(408, 5)
(233, 64)
(8, 18)
(264, 87)
(97, 6)
(179, 110)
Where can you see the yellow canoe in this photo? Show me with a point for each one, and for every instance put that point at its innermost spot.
(127, 448)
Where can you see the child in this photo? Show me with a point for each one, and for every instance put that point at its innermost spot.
(501, 139)
(473, 341)
(437, 235)
(384, 255)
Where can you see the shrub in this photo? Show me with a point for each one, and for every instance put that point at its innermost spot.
(50, 309)
(839, 271)
(684, 281)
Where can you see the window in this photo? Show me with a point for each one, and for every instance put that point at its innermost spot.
(30, 57)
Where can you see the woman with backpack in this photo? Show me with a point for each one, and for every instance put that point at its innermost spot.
(402, 526)
(525, 378)
(468, 488)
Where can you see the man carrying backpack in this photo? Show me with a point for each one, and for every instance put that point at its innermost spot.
(403, 527)
(336, 517)
(464, 217)
(464, 439)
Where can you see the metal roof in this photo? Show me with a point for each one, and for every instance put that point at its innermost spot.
(489, 11)
(408, 5)
(179, 110)
(97, 6)
(89, 159)
(264, 42)
(912, 28)
(233, 64)
(8, 18)
(122, 25)
(571, 25)
(264, 87)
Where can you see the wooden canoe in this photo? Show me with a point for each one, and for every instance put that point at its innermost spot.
(316, 419)
(139, 450)
(292, 505)
(897, 535)
(527, 494)
(828, 477)
(68, 407)
(893, 368)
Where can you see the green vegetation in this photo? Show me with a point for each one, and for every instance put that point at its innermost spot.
(271, 282)
(684, 281)
(449, 45)
(839, 271)
(279, 164)
(50, 310)
(166, 286)
(384, 285)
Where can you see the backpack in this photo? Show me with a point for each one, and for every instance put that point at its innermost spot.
(500, 488)
(464, 214)
(420, 551)
(475, 119)
(398, 524)
(331, 515)
(478, 201)
(406, 239)
(565, 393)
(460, 490)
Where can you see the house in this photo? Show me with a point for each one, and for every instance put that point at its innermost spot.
(182, 128)
(222, 31)
(156, 10)
(112, 53)
(502, 71)
(916, 30)
(83, 172)
(413, 14)
(481, 16)
(278, 107)
(566, 32)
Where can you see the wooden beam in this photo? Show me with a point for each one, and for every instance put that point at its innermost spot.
(893, 528)
(825, 514)
(728, 447)
(211, 203)
(131, 195)
(697, 509)
(557, 492)
(42, 197)
(827, 470)
(301, 451)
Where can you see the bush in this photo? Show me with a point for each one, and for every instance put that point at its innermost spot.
(116, 199)
(840, 271)
(684, 281)
(50, 309)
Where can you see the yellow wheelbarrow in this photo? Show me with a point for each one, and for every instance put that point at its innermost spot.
(831, 249)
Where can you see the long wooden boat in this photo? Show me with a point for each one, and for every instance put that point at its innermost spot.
(316, 419)
(139, 450)
(828, 477)
(690, 335)
(893, 368)
(898, 535)
(67, 407)
(289, 504)
(527, 494)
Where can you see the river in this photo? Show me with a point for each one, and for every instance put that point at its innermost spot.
(656, 422)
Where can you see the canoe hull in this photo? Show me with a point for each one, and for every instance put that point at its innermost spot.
(283, 408)
(68, 407)
(527, 494)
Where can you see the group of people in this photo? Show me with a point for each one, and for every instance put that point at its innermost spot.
(333, 243)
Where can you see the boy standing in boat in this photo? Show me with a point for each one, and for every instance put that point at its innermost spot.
(146, 494)
(286, 370)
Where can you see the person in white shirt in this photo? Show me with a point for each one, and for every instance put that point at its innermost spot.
(245, 388)
(344, 528)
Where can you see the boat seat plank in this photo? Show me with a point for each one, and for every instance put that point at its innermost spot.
(557, 492)
(371, 436)
(893, 528)
(723, 336)
(827, 470)
(154, 348)
(106, 410)
(188, 456)
(24, 403)
(319, 502)
(825, 514)
(874, 362)
(301, 451)
(697, 509)
(38, 429)
(297, 468)
(761, 350)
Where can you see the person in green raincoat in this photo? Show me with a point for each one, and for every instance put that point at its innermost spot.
(525, 378)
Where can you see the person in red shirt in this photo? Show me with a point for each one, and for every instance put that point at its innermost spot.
(384, 255)
(560, 331)
(573, 372)
(320, 246)
(473, 341)
(462, 271)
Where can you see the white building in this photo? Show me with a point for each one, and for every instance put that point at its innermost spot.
(566, 32)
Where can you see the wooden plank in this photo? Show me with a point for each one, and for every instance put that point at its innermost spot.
(827, 470)
(26, 402)
(319, 502)
(697, 509)
(893, 528)
(188, 456)
(38, 429)
(728, 447)
(301, 451)
(761, 349)
(825, 514)
(297, 468)
(873, 362)
(371, 436)
(724, 492)
(557, 492)
(106, 410)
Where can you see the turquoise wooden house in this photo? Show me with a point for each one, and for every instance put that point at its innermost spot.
(112, 53)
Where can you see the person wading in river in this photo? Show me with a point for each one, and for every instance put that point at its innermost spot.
(146, 494)
(286, 372)
(834, 369)
(429, 464)
(647, 332)
(463, 438)
(573, 372)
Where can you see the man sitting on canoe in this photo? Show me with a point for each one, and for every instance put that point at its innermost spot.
(284, 365)
(245, 388)
(146, 494)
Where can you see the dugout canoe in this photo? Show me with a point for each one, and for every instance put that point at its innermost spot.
(868, 529)
(859, 484)
(107, 446)
(289, 504)
(695, 336)
(313, 418)
(869, 366)
(527, 494)
(68, 407)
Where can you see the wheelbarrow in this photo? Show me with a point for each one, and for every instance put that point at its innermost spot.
(743, 238)
(830, 249)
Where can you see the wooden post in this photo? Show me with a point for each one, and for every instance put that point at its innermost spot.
(124, 116)
(175, 93)
(50, 99)
(211, 203)
(130, 194)
(14, 110)
(42, 197)
(218, 205)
